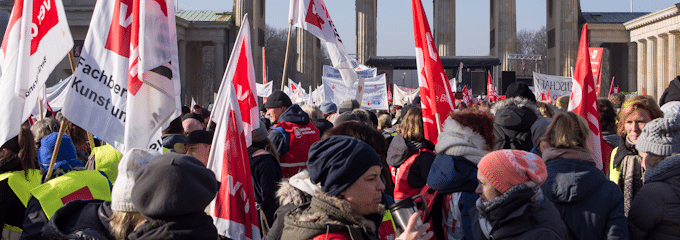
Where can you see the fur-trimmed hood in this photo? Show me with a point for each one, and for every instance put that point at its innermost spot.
(328, 214)
(459, 140)
(518, 102)
(297, 190)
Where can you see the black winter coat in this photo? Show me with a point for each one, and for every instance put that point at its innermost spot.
(80, 219)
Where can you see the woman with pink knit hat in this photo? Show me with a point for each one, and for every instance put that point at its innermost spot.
(511, 204)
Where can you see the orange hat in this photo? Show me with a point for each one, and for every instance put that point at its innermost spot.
(507, 168)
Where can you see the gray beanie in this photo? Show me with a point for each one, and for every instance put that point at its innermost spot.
(661, 136)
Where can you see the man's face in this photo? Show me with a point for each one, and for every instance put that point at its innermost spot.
(200, 151)
(275, 113)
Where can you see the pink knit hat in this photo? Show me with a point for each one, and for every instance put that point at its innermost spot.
(506, 168)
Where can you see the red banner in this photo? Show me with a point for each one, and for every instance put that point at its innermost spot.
(596, 64)
(491, 91)
(435, 93)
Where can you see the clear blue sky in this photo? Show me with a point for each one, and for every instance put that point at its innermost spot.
(395, 26)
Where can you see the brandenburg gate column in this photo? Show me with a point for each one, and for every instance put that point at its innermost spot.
(672, 57)
(661, 65)
(366, 29)
(641, 65)
(445, 27)
(651, 65)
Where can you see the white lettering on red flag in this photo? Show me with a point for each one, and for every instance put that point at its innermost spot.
(435, 92)
(491, 91)
(233, 209)
(583, 101)
(36, 39)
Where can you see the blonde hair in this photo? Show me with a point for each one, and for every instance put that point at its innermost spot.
(313, 111)
(384, 121)
(567, 130)
(642, 102)
(411, 128)
(124, 223)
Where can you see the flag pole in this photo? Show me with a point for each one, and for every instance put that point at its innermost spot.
(439, 124)
(40, 101)
(62, 128)
(285, 58)
(71, 56)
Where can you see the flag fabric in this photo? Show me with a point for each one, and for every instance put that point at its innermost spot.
(375, 92)
(240, 73)
(403, 95)
(436, 95)
(466, 97)
(264, 90)
(36, 39)
(617, 89)
(312, 15)
(583, 101)
(611, 88)
(595, 54)
(233, 209)
(193, 103)
(644, 92)
(264, 75)
(128, 70)
(549, 99)
(459, 79)
(491, 91)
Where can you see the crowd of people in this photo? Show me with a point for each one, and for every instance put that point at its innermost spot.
(514, 169)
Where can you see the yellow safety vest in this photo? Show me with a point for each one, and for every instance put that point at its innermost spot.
(74, 185)
(387, 227)
(106, 159)
(21, 187)
(614, 173)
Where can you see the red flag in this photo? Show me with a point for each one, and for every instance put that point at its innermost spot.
(233, 209)
(596, 64)
(644, 92)
(583, 101)
(543, 97)
(491, 91)
(617, 89)
(436, 95)
(549, 99)
(264, 73)
(240, 73)
(611, 88)
(466, 97)
(389, 94)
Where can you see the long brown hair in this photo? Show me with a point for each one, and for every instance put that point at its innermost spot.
(22, 148)
(411, 128)
(124, 223)
(567, 130)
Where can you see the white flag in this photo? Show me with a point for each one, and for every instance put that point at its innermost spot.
(311, 15)
(36, 39)
(264, 90)
(240, 73)
(130, 53)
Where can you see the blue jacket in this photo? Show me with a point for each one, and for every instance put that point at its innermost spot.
(457, 176)
(590, 205)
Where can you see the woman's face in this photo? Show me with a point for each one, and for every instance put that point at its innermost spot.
(365, 194)
(634, 124)
(485, 190)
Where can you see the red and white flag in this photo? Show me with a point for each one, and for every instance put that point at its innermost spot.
(491, 91)
(264, 73)
(611, 88)
(466, 97)
(436, 95)
(312, 15)
(583, 101)
(240, 73)
(233, 209)
(36, 39)
(128, 70)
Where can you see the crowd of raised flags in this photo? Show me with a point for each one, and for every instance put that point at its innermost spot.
(126, 89)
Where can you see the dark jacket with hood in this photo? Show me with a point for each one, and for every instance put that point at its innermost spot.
(266, 174)
(80, 219)
(590, 205)
(401, 149)
(325, 214)
(12, 211)
(655, 212)
(295, 192)
(292, 114)
(513, 119)
(522, 213)
(672, 92)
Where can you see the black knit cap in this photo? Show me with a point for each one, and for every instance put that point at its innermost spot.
(338, 161)
(278, 99)
(173, 185)
(520, 89)
(672, 92)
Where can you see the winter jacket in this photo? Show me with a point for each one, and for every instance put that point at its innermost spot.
(80, 219)
(190, 226)
(590, 205)
(454, 171)
(266, 174)
(612, 138)
(326, 214)
(292, 193)
(655, 212)
(12, 211)
(293, 148)
(521, 213)
(400, 150)
(323, 125)
(513, 119)
(625, 169)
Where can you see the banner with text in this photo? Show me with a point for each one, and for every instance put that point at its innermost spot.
(403, 95)
(330, 71)
(553, 86)
(374, 97)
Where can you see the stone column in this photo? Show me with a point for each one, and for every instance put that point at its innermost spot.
(651, 65)
(366, 29)
(220, 66)
(661, 65)
(445, 27)
(641, 65)
(182, 55)
(307, 60)
(672, 57)
(503, 25)
(632, 68)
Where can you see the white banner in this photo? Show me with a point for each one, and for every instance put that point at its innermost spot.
(403, 96)
(555, 86)
(264, 90)
(330, 71)
(374, 97)
(130, 53)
